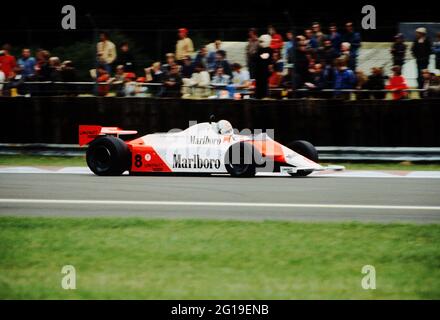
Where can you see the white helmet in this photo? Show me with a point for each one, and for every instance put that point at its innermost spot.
(265, 40)
(224, 127)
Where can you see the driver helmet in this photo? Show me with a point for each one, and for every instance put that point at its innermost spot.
(224, 127)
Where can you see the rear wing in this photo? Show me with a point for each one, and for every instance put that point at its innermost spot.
(88, 133)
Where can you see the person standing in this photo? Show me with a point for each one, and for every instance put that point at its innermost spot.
(252, 52)
(7, 61)
(106, 52)
(398, 50)
(264, 59)
(421, 49)
(354, 38)
(125, 58)
(27, 64)
(184, 46)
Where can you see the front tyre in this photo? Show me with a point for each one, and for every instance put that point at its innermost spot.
(108, 156)
(241, 159)
(307, 150)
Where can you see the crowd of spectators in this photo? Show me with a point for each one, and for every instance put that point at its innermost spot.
(301, 65)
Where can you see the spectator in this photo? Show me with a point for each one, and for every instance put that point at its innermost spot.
(220, 78)
(347, 55)
(105, 51)
(240, 78)
(202, 56)
(184, 46)
(119, 80)
(289, 48)
(262, 66)
(301, 62)
(276, 43)
(317, 80)
(119, 74)
(318, 35)
(170, 60)
(68, 71)
(274, 77)
(199, 78)
(222, 62)
(436, 50)
(327, 54)
(172, 83)
(2, 79)
(27, 64)
(55, 69)
(376, 81)
(7, 61)
(68, 74)
(361, 84)
(421, 49)
(354, 38)
(344, 79)
(311, 43)
(102, 76)
(211, 60)
(335, 37)
(397, 83)
(431, 83)
(154, 73)
(187, 68)
(42, 68)
(15, 83)
(125, 58)
(398, 50)
(252, 52)
(277, 62)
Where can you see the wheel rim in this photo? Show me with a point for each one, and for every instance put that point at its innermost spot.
(101, 159)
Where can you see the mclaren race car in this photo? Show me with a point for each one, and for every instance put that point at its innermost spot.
(203, 148)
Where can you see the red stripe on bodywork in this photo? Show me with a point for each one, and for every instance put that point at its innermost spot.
(145, 159)
(269, 149)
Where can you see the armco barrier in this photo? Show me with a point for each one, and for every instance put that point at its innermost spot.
(409, 123)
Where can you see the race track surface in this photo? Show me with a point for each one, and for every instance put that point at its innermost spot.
(221, 197)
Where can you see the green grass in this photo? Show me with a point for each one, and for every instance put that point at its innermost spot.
(29, 160)
(199, 259)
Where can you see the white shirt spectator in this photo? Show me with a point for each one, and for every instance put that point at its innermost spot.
(106, 51)
(199, 79)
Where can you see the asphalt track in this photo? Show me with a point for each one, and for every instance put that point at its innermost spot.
(261, 198)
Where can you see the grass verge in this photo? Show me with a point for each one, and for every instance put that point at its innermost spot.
(199, 259)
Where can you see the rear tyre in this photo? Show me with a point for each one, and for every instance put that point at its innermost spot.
(307, 150)
(241, 159)
(108, 156)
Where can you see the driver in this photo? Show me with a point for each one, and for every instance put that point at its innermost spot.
(224, 127)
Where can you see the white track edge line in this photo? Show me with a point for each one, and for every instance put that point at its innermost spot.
(218, 204)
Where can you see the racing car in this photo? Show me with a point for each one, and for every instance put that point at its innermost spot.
(203, 148)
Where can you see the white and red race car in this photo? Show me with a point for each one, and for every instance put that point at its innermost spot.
(203, 148)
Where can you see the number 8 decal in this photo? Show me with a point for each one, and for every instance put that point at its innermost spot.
(138, 161)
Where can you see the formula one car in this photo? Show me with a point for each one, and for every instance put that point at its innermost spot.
(209, 147)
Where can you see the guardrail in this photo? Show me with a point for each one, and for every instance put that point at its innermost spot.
(79, 88)
(326, 153)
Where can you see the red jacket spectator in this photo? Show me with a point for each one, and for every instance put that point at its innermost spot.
(277, 40)
(7, 62)
(398, 82)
